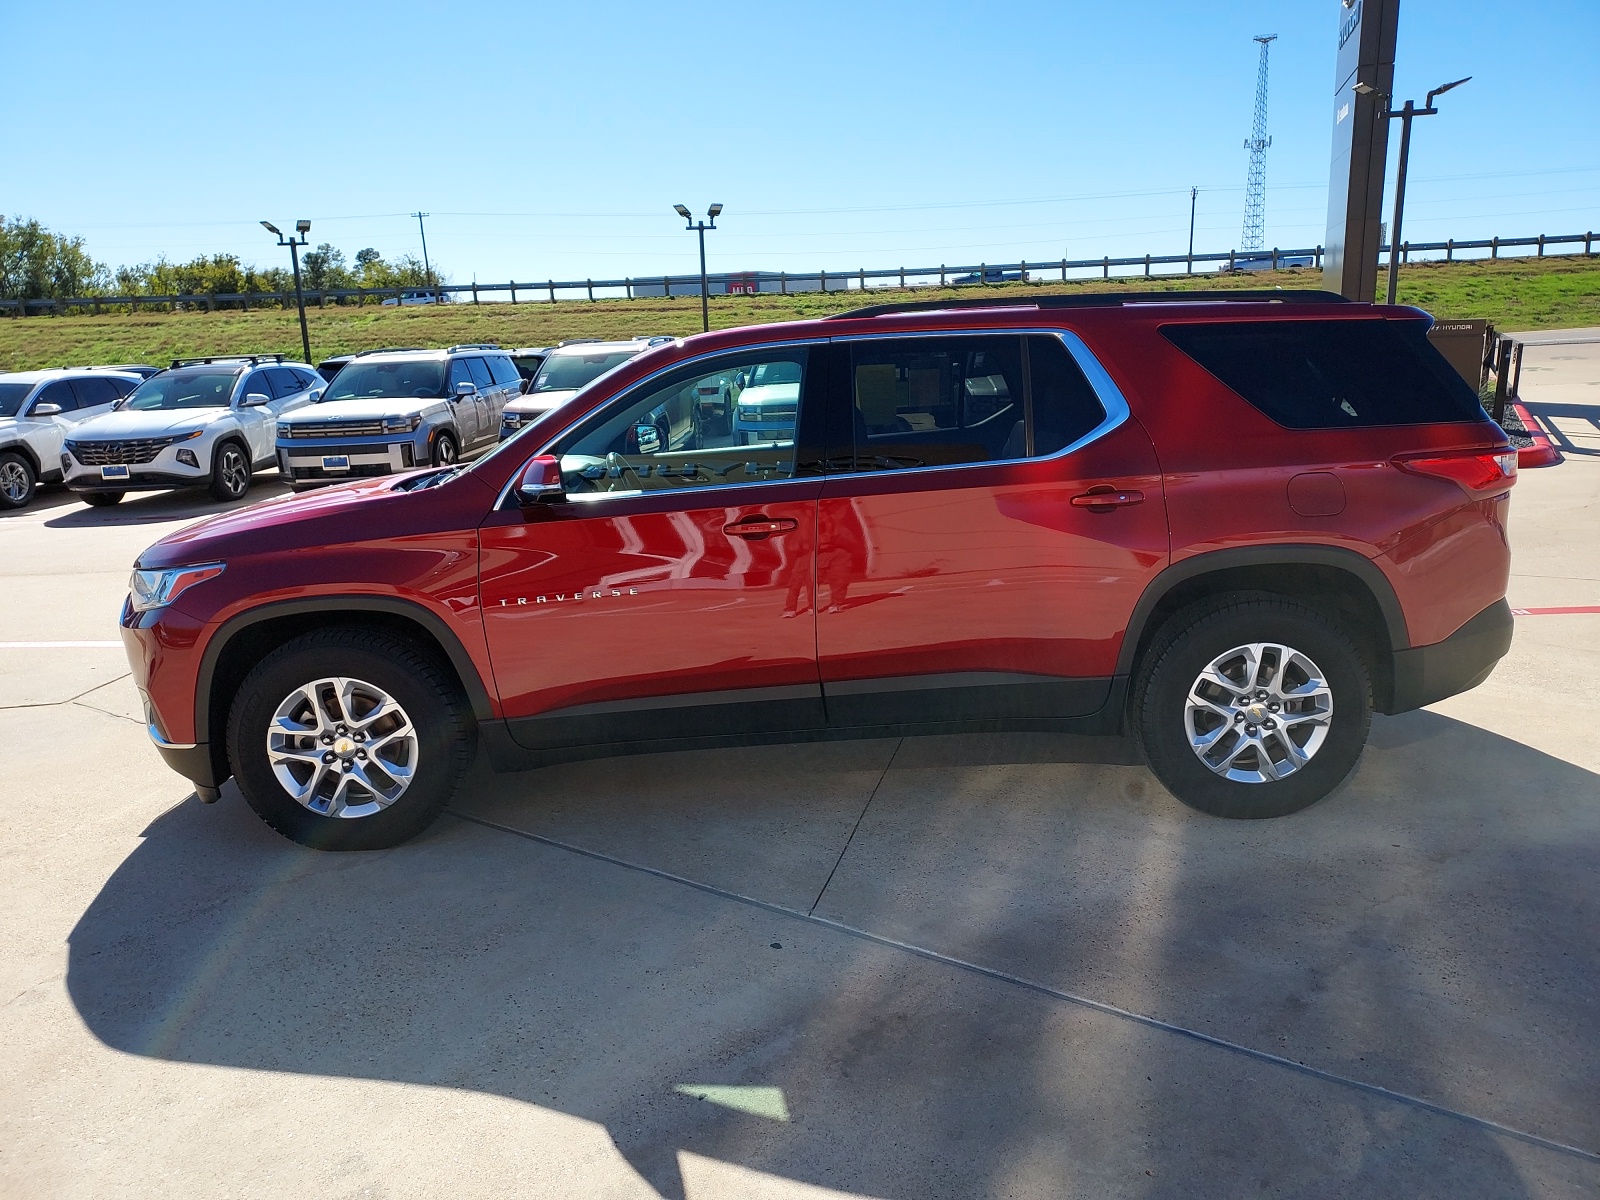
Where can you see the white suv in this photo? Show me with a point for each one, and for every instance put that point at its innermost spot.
(37, 411)
(567, 368)
(209, 422)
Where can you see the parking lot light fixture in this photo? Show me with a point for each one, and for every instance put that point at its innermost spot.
(1404, 116)
(700, 227)
(303, 228)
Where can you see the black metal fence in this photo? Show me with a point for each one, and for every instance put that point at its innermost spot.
(786, 283)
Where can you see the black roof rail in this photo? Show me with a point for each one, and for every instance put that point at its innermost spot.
(474, 346)
(1103, 300)
(252, 359)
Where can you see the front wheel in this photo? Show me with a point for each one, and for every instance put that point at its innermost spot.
(230, 472)
(17, 481)
(445, 452)
(1252, 706)
(344, 739)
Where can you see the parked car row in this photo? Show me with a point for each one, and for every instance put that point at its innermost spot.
(215, 422)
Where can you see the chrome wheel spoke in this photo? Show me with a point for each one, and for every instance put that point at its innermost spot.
(1279, 707)
(342, 747)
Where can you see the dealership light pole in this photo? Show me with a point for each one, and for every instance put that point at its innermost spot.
(1404, 116)
(700, 227)
(1194, 198)
(302, 228)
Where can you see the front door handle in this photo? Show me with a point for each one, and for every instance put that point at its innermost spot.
(760, 527)
(1105, 498)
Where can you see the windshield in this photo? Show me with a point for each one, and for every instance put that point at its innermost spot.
(778, 372)
(11, 397)
(200, 389)
(568, 372)
(407, 379)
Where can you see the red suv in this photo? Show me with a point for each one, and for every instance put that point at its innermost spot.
(1232, 524)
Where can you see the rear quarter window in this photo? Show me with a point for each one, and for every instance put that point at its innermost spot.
(1332, 374)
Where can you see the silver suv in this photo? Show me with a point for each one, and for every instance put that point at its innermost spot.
(567, 368)
(38, 409)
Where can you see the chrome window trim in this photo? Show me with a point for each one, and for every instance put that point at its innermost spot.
(1100, 382)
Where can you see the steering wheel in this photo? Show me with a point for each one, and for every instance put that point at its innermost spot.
(622, 467)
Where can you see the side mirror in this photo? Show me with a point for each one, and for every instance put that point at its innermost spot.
(524, 385)
(47, 410)
(464, 388)
(314, 395)
(541, 481)
(257, 399)
(647, 438)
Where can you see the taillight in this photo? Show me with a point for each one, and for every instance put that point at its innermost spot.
(1478, 473)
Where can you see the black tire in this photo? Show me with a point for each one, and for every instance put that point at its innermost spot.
(429, 696)
(102, 499)
(1191, 642)
(445, 451)
(18, 480)
(230, 472)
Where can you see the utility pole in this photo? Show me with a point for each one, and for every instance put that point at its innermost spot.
(302, 228)
(427, 271)
(1404, 116)
(1194, 196)
(689, 223)
(1255, 192)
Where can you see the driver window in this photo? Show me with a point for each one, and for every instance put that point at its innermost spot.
(722, 421)
(459, 374)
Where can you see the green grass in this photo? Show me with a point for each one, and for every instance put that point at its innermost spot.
(1520, 294)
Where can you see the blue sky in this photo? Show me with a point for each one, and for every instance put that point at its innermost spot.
(553, 140)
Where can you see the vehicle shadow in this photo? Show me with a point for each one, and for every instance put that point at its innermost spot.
(151, 508)
(478, 960)
(47, 496)
(1544, 410)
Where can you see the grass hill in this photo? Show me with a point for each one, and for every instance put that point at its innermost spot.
(1520, 293)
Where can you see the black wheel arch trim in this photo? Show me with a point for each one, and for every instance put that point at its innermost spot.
(1211, 562)
(26, 451)
(460, 660)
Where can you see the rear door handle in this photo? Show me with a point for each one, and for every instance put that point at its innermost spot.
(1107, 498)
(760, 527)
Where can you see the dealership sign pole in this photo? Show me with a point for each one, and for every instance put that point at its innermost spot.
(1363, 83)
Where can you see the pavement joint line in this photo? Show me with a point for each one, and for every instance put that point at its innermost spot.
(69, 699)
(1044, 989)
(845, 849)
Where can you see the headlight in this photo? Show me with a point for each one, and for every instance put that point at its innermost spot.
(749, 412)
(157, 589)
(401, 424)
(511, 419)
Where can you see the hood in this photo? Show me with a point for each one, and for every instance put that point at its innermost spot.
(542, 402)
(130, 423)
(343, 514)
(770, 392)
(360, 410)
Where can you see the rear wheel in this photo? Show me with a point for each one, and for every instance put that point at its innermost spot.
(1252, 706)
(230, 472)
(348, 740)
(102, 499)
(17, 480)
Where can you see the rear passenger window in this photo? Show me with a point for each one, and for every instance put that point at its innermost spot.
(937, 402)
(502, 371)
(284, 382)
(480, 374)
(1065, 407)
(1332, 374)
(94, 392)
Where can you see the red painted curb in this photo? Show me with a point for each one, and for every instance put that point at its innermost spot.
(1543, 452)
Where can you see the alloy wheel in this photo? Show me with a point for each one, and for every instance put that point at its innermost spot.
(342, 747)
(1258, 712)
(14, 481)
(234, 470)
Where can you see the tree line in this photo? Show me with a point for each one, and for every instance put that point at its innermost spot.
(37, 264)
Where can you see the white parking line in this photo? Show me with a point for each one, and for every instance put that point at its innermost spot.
(60, 645)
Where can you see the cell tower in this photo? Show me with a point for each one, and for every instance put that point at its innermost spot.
(1255, 190)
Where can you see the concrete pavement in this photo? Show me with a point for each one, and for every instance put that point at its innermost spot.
(983, 966)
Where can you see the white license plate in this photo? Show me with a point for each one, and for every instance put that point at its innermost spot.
(336, 462)
(113, 472)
